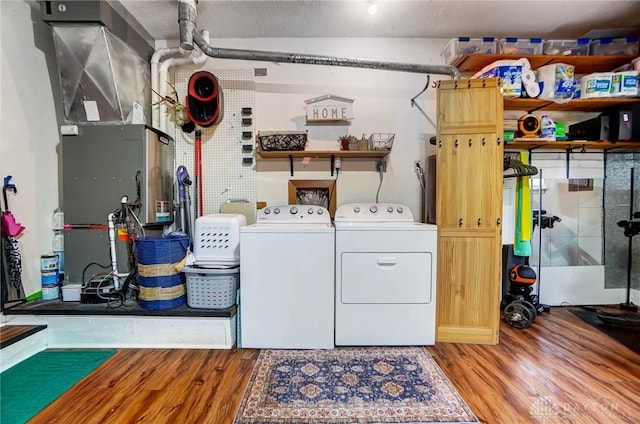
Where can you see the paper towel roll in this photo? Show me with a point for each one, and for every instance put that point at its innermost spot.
(625, 84)
(596, 85)
(530, 84)
(526, 66)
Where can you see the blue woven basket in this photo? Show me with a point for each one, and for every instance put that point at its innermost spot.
(162, 286)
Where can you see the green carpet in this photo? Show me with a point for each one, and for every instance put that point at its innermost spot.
(26, 388)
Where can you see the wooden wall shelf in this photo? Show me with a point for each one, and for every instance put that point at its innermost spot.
(379, 156)
(343, 154)
(583, 64)
(584, 105)
(574, 146)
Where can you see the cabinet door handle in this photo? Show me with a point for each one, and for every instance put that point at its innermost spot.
(498, 221)
(456, 143)
(460, 222)
(470, 143)
(387, 261)
(479, 222)
(440, 143)
(498, 141)
(483, 141)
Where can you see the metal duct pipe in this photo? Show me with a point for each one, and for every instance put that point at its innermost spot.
(187, 16)
(310, 59)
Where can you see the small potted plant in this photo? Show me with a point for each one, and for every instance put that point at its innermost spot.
(347, 142)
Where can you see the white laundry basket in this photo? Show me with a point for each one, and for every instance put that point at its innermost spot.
(216, 240)
(211, 288)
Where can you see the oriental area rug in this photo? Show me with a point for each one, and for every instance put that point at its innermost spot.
(350, 385)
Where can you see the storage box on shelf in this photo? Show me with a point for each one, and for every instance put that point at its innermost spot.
(521, 46)
(615, 46)
(576, 47)
(466, 45)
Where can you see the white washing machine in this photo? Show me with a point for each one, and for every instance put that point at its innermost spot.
(287, 279)
(385, 276)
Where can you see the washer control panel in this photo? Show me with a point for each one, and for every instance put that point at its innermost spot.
(380, 212)
(291, 214)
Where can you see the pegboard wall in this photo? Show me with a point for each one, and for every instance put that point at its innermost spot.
(228, 163)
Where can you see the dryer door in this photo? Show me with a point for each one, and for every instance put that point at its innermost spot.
(386, 277)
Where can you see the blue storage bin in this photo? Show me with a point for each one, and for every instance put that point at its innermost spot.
(160, 276)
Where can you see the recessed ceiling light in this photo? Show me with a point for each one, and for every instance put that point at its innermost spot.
(372, 9)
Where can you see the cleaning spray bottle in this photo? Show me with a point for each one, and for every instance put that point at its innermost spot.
(547, 128)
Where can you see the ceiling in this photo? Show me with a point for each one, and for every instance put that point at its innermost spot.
(395, 18)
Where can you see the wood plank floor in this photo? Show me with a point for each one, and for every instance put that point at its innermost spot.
(560, 370)
(10, 334)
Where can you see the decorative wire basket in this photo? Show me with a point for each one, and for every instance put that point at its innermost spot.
(381, 141)
(282, 140)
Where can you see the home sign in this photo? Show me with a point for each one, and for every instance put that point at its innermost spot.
(329, 108)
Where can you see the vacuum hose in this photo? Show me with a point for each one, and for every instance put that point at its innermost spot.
(182, 176)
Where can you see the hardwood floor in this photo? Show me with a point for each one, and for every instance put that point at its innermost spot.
(560, 370)
(10, 334)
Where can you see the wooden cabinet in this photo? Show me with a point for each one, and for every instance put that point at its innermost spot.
(469, 152)
(469, 155)
(468, 293)
(468, 170)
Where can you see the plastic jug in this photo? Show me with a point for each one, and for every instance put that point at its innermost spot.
(547, 128)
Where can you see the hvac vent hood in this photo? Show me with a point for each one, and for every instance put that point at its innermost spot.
(102, 62)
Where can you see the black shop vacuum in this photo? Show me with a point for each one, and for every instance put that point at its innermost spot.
(519, 304)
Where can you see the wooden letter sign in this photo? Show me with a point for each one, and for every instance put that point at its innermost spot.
(329, 108)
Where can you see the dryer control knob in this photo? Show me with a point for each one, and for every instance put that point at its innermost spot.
(400, 210)
(293, 210)
(267, 211)
(320, 212)
(276, 211)
(356, 209)
(373, 209)
(390, 209)
(310, 211)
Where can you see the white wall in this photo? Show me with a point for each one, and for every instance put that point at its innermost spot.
(382, 104)
(28, 131)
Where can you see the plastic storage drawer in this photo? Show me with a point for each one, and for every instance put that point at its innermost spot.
(466, 45)
(615, 46)
(576, 47)
(524, 46)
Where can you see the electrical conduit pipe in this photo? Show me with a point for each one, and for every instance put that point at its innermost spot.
(155, 98)
(163, 75)
(189, 35)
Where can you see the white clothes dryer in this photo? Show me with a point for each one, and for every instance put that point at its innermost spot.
(287, 279)
(385, 276)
